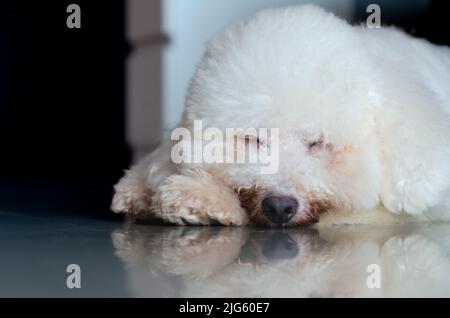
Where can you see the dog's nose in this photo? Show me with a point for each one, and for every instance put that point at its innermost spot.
(279, 209)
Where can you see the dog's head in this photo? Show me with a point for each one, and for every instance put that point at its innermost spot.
(312, 175)
(312, 83)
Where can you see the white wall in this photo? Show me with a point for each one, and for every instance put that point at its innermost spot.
(190, 23)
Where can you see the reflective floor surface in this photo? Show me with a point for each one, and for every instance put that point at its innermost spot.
(120, 260)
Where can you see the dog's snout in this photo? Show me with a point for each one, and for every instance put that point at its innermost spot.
(279, 209)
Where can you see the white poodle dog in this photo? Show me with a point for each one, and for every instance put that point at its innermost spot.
(363, 119)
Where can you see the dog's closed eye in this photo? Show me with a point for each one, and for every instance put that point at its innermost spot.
(317, 146)
(314, 146)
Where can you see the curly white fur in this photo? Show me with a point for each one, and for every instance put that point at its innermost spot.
(378, 98)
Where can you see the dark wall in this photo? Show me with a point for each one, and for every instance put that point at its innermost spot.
(427, 19)
(62, 92)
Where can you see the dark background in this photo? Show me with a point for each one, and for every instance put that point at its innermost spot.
(61, 105)
(62, 96)
(432, 23)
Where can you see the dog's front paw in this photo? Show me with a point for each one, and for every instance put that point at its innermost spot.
(131, 199)
(197, 200)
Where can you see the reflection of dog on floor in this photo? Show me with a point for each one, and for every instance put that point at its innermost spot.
(363, 118)
(241, 262)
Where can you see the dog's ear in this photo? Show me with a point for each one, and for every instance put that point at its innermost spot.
(415, 146)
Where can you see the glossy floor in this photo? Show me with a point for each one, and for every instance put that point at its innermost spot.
(119, 260)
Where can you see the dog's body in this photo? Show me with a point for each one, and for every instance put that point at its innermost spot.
(363, 118)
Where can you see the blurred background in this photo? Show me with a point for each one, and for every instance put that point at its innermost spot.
(77, 106)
